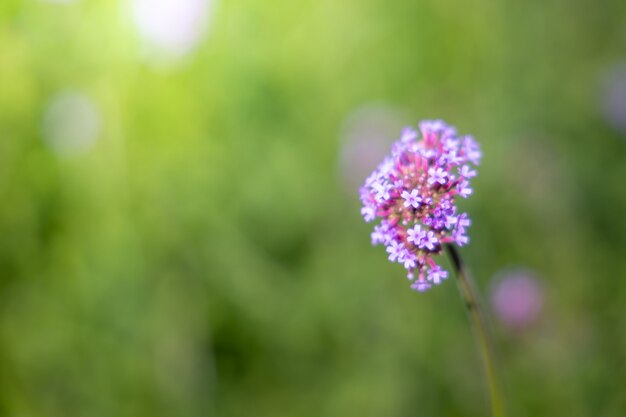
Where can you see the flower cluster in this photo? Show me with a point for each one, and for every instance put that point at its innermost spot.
(413, 192)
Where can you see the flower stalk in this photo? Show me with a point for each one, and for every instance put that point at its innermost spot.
(481, 330)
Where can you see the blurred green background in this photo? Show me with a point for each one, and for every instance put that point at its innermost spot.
(180, 231)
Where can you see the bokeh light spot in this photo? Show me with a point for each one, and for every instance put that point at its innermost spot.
(71, 123)
(171, 27)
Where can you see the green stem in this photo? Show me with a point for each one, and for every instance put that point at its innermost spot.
(481, 331)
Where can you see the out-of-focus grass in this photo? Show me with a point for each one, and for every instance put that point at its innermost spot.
(203, 257)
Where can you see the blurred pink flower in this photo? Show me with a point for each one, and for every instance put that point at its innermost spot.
(517, 298)
(614, 98)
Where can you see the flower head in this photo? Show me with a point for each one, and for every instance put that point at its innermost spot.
(413, 192)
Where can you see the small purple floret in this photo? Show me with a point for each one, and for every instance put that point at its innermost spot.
(464, 189)
(420, 286)
(437, 175)
(408, 135)
(411, 199)
(395, 250)
(415, 235)
(437, 274)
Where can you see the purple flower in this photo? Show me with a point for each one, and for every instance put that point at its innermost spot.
(429, 241)
(443, 215)
(427, 153)
(421, 286)
(464, 189)
(413, 192)
(438, 222)
(368, 213)
(451, 221)
(459, 237)
(454, 158)
(411, 199)
(436, 275)
(437, 175)
(450, 143)
(382, 191)
(415, 235)
(408, 135)
(395, 250)
(381, 234)
(446, 206)
(472, 150)
(463, 222)
(409, 260)
(467, 172)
